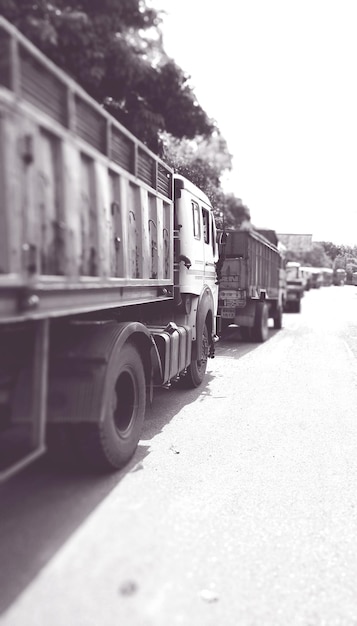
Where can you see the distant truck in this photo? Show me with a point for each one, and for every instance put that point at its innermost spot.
(327, 276)
(108, 285)
(339, 277)
(251, 283)
(316, 277)
(306, 275)
(295, 286)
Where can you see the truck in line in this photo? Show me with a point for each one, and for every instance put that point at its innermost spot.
(108, 285)
(339, 276)
(251, 283)
(295, 286)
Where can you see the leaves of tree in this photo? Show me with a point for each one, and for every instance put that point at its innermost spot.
(113, 49)
(203, 161)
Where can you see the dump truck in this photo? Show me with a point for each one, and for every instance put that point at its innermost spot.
(251, 283)
(107, 271)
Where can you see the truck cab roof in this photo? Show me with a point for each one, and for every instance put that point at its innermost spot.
(181, 182)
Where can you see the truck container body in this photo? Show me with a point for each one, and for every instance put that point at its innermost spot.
(316, 277)
(251, 283)
(295, 286)
(107, 270)
(327, 276)
(306, 274)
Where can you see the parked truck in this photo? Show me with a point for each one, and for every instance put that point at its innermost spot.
(107, 260)
(251, 283)
(339, 276)
(295, 286)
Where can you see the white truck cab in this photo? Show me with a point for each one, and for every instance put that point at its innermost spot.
(198, 249)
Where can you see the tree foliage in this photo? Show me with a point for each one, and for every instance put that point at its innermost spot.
(113, 49)
(334, 251)
(342, 256)
(327, 254)
(346, 259)
(315, 257)
(237, 213)
(203, 161)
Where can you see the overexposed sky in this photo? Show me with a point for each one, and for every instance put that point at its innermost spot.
(280, 79)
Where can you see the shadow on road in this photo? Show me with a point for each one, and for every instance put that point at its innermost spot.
(233, 345)
(168, 402)
(40, 509)
(43, 506)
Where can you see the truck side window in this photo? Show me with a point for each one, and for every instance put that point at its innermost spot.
(205, 220)
(196, 220)
(213, 236)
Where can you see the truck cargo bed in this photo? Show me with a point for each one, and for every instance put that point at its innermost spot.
(86, 219)
(250, 263)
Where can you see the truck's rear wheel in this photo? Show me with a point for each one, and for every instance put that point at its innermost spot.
(114, 439)
(110, 442)
(260, 329)
(197, 368)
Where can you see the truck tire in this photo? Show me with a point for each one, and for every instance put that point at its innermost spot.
(197, 369)
(298, 306)
(111, 442)
(278, 318)
(260, 328)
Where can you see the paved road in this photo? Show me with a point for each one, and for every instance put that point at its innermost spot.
(239, 507)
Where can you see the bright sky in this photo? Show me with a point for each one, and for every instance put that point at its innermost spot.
(280, 79)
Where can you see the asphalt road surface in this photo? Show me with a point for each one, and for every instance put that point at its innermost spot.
(238, 509)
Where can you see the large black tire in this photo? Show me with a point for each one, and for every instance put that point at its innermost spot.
(197, 368)
(278, 318)
(109, 443)
(260, 329)
(114, 440)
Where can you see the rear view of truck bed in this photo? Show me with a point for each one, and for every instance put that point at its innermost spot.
(249, 287)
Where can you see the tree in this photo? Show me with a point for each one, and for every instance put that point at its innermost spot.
(114, 50)
(203, 161)
(237, 214)
(316, 257)
(331, 249)
(167, 90)
(342, 257)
